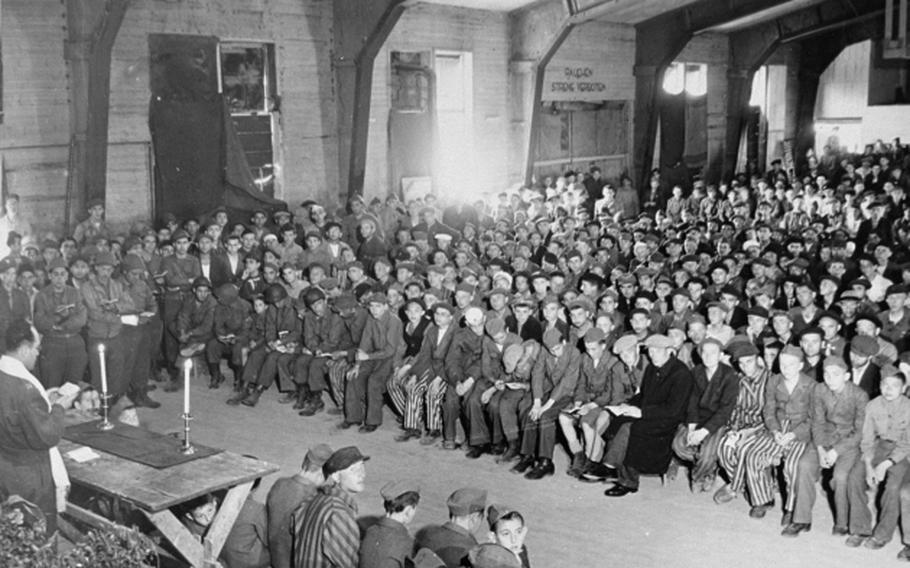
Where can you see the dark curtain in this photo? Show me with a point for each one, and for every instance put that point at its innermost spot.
(672, 129)
(696, 144)
(199, 163)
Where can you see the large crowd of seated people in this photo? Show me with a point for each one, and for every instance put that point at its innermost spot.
(755, 333)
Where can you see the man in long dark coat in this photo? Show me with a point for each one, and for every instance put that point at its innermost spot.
(655, 413)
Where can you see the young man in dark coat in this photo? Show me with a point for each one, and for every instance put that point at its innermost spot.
(388, 542)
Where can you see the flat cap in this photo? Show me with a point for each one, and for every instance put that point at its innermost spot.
(395, 489)
(103, 259)
(343, 459)
(793, 351)
(426, 558)
(594, 335)
(466, 501)
(495, 326)
(625, 343)
(345, 302)
(552, 337)
(659, 341)
(864, 346)
(319, 454)
(490, 555)
(835, 361)
(444, 306)
(55, 263)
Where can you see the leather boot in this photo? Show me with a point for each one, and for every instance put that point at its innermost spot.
(510, 454)
(524, 464)
(314, 404)
(543, 468)
(578, 464)
(215, 373)
(290, 396)
(240, 392)
(252, 399)
(303, 396)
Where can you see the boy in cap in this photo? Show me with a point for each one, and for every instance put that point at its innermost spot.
(105, 301)
(864, 371)
(428, 368)
(281, 336)
(140, 339)
(885, 445)
(195, 320)
(553, 382)
(60, 316)
(453, 540)
(463, 371)
(288, 495)
(838, 413)
(230, 320)
(593, 391)
(483, 403)
(711, 403)
(94, 226)
(381, 348)
(326, 531)
(310, 368)
(388, 542)
(508, 529)
(346, 335)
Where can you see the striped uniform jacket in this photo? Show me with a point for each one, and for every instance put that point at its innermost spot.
(326, 534)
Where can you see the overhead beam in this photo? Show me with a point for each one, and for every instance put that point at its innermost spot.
(92, 27)
(658, 42)
(831, 26)
(361, 29)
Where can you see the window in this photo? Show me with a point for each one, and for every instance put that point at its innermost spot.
(247, 80)
(689, 77)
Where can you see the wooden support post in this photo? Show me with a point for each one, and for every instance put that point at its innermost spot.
(361, 29)
(92, 28)
(657, 42)
(540, 68)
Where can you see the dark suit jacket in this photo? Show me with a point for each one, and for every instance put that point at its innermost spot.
(221, 270)
(870, 381)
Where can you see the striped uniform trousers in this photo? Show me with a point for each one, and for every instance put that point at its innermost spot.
(337, 371)
(409, 402)
(760, 454)
(436, 391)
(731, 454)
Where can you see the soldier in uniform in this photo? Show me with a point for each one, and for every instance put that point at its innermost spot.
(282, 334)
(388, 542)
(453, 540)
(138, 339)
(60, 316)
(195, 321)
(310, 368)
(179, 269)
(231, 316)
(105, 300)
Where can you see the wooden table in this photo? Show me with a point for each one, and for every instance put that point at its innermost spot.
(153, 491)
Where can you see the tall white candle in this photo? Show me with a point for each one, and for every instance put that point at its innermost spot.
(187, 367)
(103, 365)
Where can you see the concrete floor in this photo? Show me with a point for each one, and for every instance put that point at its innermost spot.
(570, 523)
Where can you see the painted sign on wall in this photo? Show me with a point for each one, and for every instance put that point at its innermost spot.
(582, 81)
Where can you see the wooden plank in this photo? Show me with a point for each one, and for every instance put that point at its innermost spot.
(157, 489)
(178, 535)
(224, 520)
(91, 519)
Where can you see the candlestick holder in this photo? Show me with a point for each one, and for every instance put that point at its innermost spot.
(187, 448)
(105, 423)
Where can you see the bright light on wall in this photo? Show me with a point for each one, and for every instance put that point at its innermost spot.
(689, 77)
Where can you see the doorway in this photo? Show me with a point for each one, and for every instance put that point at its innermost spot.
(454, 71)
